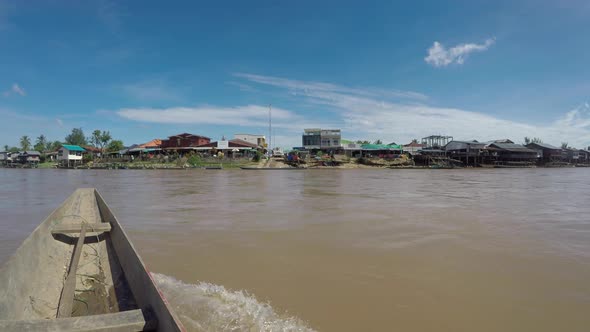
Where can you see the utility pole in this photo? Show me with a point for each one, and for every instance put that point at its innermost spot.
(269, 130)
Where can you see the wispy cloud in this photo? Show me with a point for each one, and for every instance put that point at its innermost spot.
(150, 90)
(15, 89)
(439, 56)
(250, 115)
(362, 115)
(306, 87)
(366, 114)
(253, 116)
(59, 122)
(243, 87)
(22, 116)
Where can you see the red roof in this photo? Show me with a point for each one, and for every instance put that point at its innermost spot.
(155, 143)
(92, 149)
(187, 135)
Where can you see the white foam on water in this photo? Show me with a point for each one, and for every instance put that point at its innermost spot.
(208, 307)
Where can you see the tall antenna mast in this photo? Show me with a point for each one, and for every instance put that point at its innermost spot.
(269, 129)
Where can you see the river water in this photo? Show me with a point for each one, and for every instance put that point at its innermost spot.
(344, 250)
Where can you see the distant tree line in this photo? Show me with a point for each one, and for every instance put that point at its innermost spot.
(528, 140)
(369, 142)
(99, 139)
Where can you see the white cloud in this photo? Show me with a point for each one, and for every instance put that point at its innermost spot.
(18, 90)
(286, 125)
(15, 89)
(367, 114)
(250, 115)
(363, 116)
(439, 56)
(59, 122)
(303, 87)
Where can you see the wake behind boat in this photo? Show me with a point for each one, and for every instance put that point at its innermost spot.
(79, 271)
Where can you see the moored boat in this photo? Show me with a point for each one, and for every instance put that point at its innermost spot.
(79, 271)
(252, 168)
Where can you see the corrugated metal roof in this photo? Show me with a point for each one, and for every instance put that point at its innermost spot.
(546, 146)
(73, 147)
(380, 147)
(471, 143)
(414, 145)
(512, 147)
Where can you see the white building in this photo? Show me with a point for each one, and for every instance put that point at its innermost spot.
(70, 154)
(259, 140)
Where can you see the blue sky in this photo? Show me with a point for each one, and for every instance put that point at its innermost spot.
(376, 69)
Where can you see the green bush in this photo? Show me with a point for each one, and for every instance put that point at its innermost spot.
(194, 160)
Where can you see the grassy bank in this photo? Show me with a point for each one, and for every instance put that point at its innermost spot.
(47, 165)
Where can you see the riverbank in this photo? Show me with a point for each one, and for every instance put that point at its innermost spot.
(279, 163)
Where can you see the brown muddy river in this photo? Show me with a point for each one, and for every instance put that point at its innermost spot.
(344, 250)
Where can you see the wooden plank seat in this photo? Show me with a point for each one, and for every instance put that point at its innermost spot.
(77, 228)
(132, 320)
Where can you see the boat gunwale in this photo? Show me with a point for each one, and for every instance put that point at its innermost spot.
(116, 226)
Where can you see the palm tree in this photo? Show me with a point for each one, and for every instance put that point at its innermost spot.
(6, 147)
(41, 144)
(25, 143)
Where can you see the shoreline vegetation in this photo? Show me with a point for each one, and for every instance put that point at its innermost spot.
(101, 151)
(272, 163)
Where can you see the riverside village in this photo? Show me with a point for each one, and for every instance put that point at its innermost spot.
(320, 148)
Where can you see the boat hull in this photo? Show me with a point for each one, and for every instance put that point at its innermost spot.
(111, 278)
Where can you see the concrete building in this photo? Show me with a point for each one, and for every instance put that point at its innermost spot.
(259, 140)
(321, 139)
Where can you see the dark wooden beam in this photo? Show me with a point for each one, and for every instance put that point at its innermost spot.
(66, 300)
